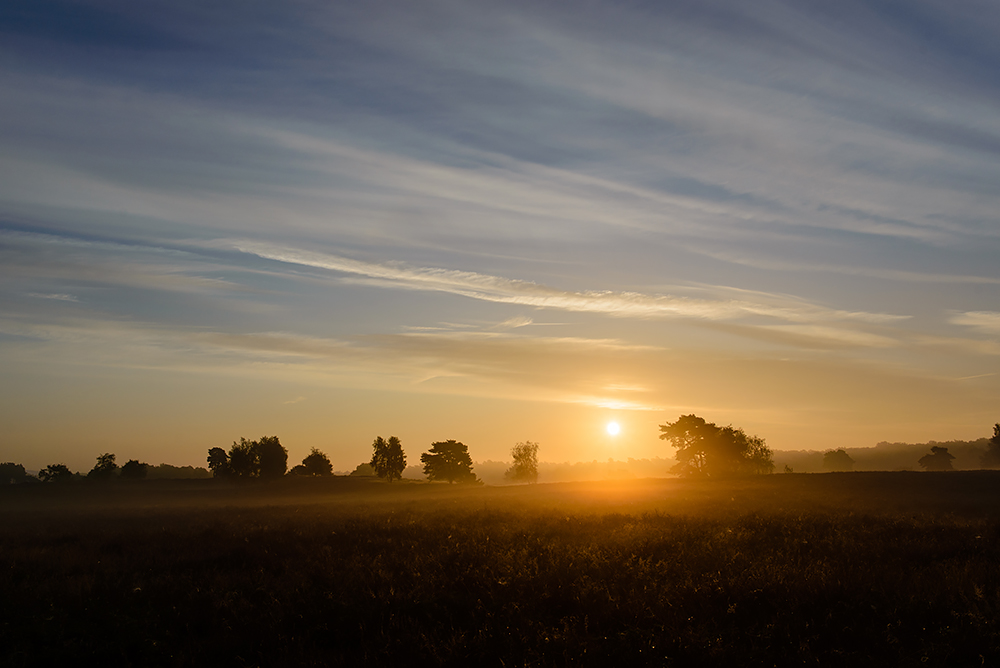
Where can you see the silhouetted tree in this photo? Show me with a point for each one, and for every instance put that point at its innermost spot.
(218, 463)
(837, 460)
(105, 468)
(12, 474)
(55, 473)
(991, 458)
(316, 463)
(525, 465)
(298, 469)
(244, 459)
(388, 458)
(938, 460)
(134, 469)
(272, 457)
(448, 460)
(704, 449)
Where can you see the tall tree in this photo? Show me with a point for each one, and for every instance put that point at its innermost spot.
(938, 460)
(525, 464)
(991, 458)
(271, 456)
(218, 463)
(448, 460)
(388, 458)
(105, 468)
(837, 460)
(704, 449)
(317, 463)
(244, 459)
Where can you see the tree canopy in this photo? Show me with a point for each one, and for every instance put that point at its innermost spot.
(525, 465)
(272, 458)
(704, 449)
(12, 474)
(134, 469)
(55, 473)
(991, 458)
(448, 460)
(938, 460)
(837, 460)
(388, 458)
(316, 463)
(105, 468)
(265, 458)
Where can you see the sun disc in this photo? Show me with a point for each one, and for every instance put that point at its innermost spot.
(613, 428)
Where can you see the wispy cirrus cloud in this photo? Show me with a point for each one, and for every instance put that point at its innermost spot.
(526, 293)
(987, 322)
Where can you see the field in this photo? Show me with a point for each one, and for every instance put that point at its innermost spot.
(798, 569)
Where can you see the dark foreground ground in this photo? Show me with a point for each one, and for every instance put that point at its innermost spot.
(887, 569)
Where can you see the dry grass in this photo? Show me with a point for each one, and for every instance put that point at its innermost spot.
(869, 569)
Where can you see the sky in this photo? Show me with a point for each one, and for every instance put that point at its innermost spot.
(495, 222)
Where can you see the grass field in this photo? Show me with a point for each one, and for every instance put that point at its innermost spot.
(822, 569)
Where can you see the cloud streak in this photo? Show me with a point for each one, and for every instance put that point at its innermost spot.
(525, 293)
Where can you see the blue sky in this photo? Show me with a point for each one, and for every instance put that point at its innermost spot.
(495, 222)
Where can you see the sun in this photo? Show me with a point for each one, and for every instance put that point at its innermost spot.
(613, 428)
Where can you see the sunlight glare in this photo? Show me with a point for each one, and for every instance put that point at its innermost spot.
(613, 428)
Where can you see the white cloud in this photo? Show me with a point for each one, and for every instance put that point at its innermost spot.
(983, 321)
(512, 291)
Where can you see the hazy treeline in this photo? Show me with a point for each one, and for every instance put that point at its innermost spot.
(885, 456)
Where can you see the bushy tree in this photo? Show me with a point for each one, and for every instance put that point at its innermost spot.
(218, 463)
(837, 460)
(55, 473)
(134, 469)
(12, 474)
(938, 460)
(448, 460)
(525, 464)
(704, 449)
(315, 463)
(105, 468)
(388, 458)
(991, 458)
(272, 457)
(265, 458)
(244, 460)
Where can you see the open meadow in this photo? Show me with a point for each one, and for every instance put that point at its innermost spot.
(796, 569)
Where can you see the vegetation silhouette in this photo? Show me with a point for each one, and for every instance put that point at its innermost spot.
(837, 460)
(105, 468)
(706, 450)
(133, 469)
(55, 473)
(265, 458)
(448, 460)
(218, 463)
(12, 474)
(991, 458)
(525, 463)
(363, 470)
(388, 458)
(316, 463)
(938, 460)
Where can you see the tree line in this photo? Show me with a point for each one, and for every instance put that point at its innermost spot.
(702, 449)
(446, 461)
